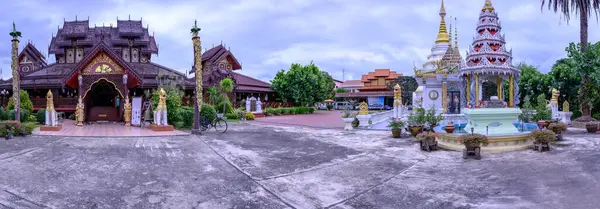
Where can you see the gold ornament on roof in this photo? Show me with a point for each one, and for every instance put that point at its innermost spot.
(364, 109)
(488, 5)
(442, 36)
(565, 106)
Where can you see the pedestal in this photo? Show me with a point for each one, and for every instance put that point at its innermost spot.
(51, 128)
(565, 117)
(155, 127)
(492, 120)
(363, 121)
(348, 122)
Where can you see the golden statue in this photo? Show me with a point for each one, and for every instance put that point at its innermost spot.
(565, 106)
(50, 111)
(162, 100)
(364, 109)
(397, 95)
(49, 102)
(79, 112)
(555, 94)
(127, 113)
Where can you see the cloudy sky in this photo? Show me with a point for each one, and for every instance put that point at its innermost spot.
(268, 35)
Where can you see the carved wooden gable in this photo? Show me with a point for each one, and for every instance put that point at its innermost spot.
(102, 64)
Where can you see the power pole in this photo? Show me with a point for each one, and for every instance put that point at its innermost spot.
(343, 75)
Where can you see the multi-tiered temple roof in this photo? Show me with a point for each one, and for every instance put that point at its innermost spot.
(488, 54)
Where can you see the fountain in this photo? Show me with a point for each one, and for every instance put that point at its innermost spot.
(489, 61)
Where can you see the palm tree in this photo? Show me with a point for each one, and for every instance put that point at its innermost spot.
(226, 86)
(583, 8)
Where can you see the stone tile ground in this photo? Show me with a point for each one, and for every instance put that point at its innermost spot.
(267, 166)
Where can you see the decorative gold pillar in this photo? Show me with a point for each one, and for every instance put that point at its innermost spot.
(476, 90)
(15, 72)
(499, 88)
(198, 71)
(468, 89)
(511, 91)
(444, 96)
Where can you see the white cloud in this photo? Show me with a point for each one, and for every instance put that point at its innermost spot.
(304, 53)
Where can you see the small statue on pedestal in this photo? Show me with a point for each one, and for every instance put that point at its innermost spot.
(160, 115)
(127, 113)
(50, 111)
(79, 112)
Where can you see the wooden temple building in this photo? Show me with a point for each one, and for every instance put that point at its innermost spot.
(372, 88)
(105, 64)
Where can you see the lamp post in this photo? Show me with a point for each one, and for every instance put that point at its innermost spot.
(4, 93)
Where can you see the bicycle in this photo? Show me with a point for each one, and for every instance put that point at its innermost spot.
(218, 123)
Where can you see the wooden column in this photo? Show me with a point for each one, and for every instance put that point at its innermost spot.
(499, 88)
(15, 71)
(476, 90)
(468, 89)
(444, 96)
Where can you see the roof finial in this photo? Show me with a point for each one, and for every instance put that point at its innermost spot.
(488, 5)
(15, 34)
(221, 42)
(455, 33)
(450, 35)
(442, 36)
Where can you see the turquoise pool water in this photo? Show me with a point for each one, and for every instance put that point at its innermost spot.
(522, 127)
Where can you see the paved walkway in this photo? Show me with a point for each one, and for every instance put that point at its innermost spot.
(107, 129)
(319, 119)
(268, 166)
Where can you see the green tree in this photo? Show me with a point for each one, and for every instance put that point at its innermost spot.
(587, 65)
(408, 84)
(531, 82)
(226, 86)
(25, 102)
(584, 9)
(303, 84)
(565, 78)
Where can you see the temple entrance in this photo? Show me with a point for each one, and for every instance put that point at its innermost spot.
(453, 102)
(102, 102)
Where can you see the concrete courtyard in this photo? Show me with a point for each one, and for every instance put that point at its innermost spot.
(269, 166)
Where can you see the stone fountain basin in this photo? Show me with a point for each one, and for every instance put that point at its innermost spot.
(492, 121)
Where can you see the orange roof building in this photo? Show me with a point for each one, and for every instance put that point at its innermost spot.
(374, 89)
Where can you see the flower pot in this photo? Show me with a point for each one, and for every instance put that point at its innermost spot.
(541, 123)
(396, 133)
(547, 123)
(428, 145)
(472, 151)
(541, 146)
(348, 122)
(450, 128)
(591, 128)
(414, 130)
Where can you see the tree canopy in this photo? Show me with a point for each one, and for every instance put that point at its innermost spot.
(408, 84)
(303, 84)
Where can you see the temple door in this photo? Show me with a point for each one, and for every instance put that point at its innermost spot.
(253, 106)
(453, 102)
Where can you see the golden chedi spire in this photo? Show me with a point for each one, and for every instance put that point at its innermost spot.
(442, 36)
(455, 35)
(488, 5)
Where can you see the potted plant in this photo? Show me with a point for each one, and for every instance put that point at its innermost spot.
(591, 127)
(396, 125)
(348, 118)
(558, 128)
(432, 118)
(427, 141)
(355, 122)
(473, 143)
(10, 131)
(542, 139)
(416, 121)
(450, 127)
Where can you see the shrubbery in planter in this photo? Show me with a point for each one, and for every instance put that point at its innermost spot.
(542, 138)
(591, 127)
(473, 143)
(416, 121)
(557, 127)
(427, 141)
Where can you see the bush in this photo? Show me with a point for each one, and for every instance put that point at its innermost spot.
(269, 111)
(32, 118)
(233, 116)
(11, 124)
(557, 127)
(179, 125)
(25, 102)
(187, 116)
(4, 114)
(41, 116)
(329, 106)
(249, 116)
(427, 136)
(24, 115)
(543, 136)
(208, 112)
(28, 127)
